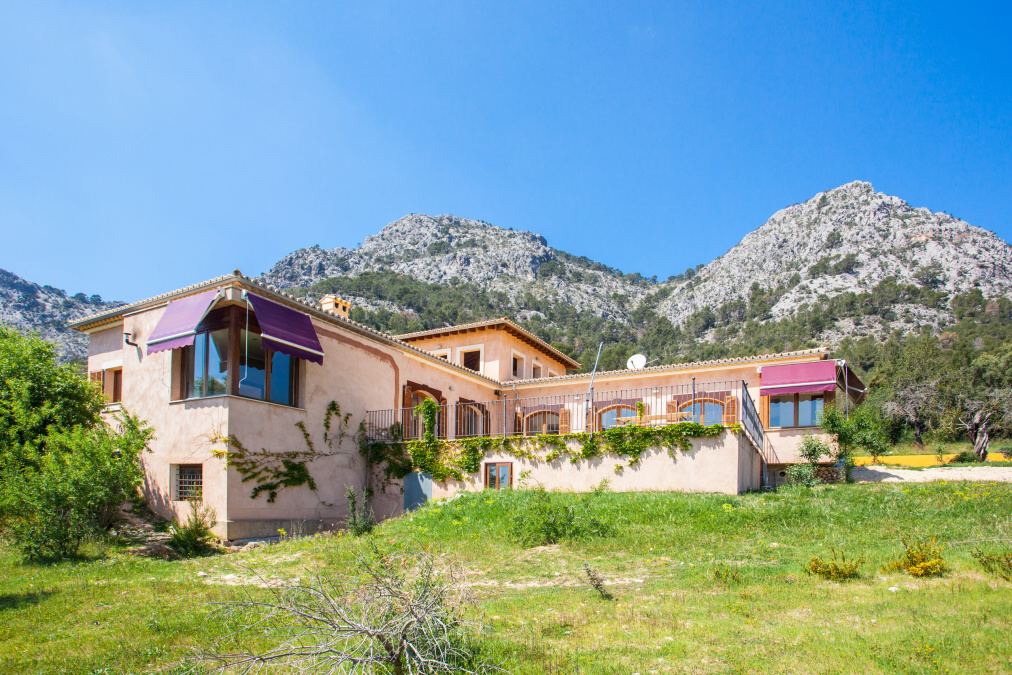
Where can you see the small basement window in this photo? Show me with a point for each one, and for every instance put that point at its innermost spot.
(188, 482)
(499, 475)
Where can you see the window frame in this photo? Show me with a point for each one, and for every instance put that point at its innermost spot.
(515, 357)
(796, 408)
(544, 427)
(498, 486)
(466, 349)
(195, 490)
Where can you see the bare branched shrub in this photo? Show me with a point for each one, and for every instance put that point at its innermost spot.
(399, 614)
(597, 582)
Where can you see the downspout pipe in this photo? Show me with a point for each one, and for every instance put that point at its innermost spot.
(590, 391)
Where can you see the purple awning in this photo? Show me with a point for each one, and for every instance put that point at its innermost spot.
(798, 378)
(179, 322)
(286, 330)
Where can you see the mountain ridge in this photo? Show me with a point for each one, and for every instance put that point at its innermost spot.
(879, 263)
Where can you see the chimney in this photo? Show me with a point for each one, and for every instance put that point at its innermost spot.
(335, 304)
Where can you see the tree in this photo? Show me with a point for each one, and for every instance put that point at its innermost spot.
(916, 404)
(863, 429)
(38, 395)
(74, 489)
(63, 472)
(983, 415)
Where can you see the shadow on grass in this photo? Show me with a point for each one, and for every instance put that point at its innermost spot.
(19, 600)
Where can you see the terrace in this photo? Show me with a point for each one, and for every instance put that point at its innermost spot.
(727, 402)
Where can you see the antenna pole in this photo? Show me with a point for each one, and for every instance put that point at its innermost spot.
(590, 391)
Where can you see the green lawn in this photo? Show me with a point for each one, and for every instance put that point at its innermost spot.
(125, 614)
(931, 447)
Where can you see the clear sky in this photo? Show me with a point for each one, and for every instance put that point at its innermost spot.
(144, 146)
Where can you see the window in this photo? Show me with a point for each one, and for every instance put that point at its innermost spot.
(536, 371)
(442, 353)
(609, 416)
(705, 412)
(471, 360)
(809, 410)
(498, 475)
(796, 410)
(264, 374)
(206, 364)
(545, 422)
(110, 381)
(518, 366)
(470, 419)
(189, 481)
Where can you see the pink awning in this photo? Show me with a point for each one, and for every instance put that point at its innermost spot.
(798, 378)
(286, 330)
(179, 322)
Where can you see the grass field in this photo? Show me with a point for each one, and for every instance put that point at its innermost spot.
(114, 612)
(931, 447)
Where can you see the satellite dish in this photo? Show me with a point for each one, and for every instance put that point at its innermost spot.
(636, 362)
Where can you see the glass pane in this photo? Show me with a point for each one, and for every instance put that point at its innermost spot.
(713, 413)
(809, 410)
(198, 365)
(282, 378)
(217, 362)
(491, 475)
(782, 411)
(504, 475)
(252, 365)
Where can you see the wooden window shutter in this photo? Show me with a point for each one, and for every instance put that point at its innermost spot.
(564, 421)
(764, 411)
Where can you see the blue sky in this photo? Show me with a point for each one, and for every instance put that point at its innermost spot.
(144, 146)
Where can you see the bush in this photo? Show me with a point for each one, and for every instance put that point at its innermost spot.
(838, 568)
(75, 488)
(726, 575)
(361, 519)
(997, 563)
(542, 518)
(802, 475)
(922, 558)
(813, 449)
(194, 536)
(964, 457)
(393, 614)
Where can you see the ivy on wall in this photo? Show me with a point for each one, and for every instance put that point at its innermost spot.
(271, 470)
(455, 459)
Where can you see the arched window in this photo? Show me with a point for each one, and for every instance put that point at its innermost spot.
(543, 422)
(705, 412)
(608, 417)
(470, 420)
(416, 427)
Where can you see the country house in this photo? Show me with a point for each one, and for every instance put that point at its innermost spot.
(228, 363)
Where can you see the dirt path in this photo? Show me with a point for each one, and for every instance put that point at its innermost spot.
(884, 474)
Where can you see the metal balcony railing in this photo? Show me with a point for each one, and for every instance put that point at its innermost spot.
(725, 402)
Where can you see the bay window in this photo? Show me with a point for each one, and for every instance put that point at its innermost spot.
(228, 358)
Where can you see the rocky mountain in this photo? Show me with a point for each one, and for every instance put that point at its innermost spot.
(451, 250)
(847, 262)
(849, 240)
(46, 310)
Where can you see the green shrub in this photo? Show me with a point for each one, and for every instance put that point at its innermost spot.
(193, 537)
(813, 449)
(964, 457)
(802, 475)
(726, 575)
(361, 519)
(837, 568)
(541, 518)
(74, 489)
(921, 558)
(1006, 452)
(998, 563)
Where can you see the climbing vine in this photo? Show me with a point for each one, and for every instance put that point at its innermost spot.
(455, 459)
(271, 470)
